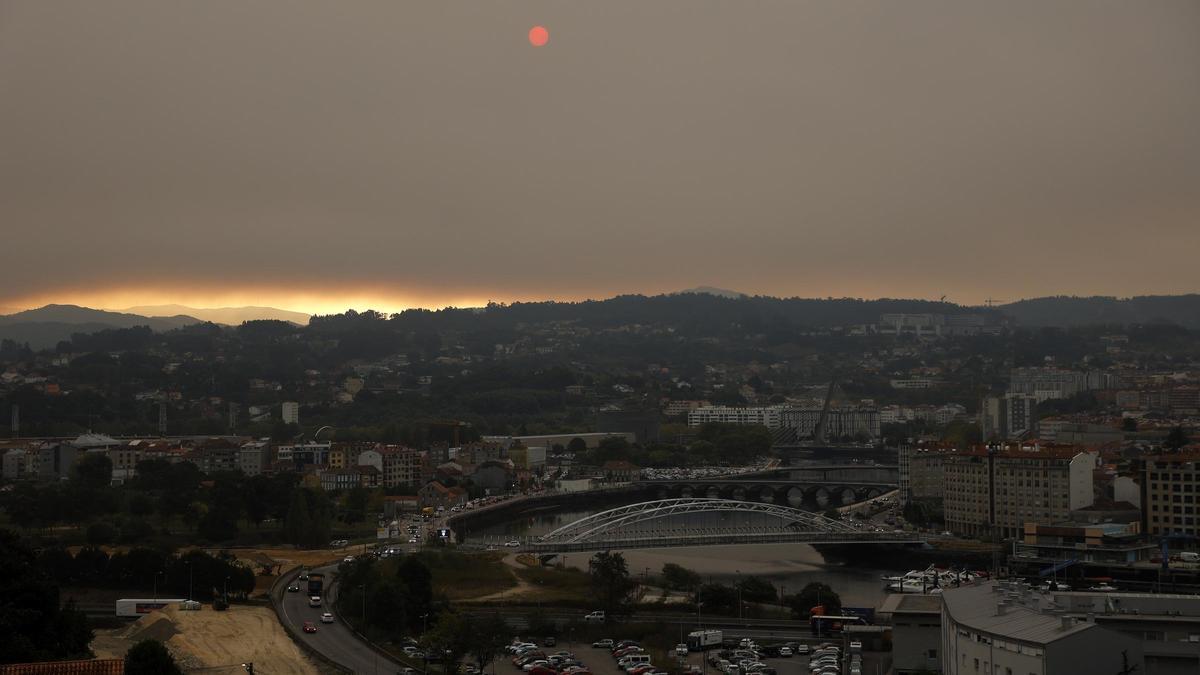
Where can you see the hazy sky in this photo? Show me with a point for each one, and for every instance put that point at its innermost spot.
(318, 155)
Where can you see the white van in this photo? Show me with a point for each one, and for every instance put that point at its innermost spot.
(631, 661)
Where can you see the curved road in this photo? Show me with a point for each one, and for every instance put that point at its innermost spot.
(334, 640)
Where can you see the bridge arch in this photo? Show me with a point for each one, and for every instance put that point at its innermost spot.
(595, 527)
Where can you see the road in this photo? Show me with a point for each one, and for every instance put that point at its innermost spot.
(334, 640)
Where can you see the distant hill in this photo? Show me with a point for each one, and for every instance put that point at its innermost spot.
(46, 326)
(232, 316)
(711, 290)
(1182, 310)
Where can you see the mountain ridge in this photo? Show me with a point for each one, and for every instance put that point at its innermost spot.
(230, 316)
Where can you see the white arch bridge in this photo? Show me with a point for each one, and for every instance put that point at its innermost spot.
(654, 525)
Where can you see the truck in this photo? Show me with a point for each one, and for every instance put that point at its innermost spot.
(700, 640)
(133, 607)
(316, 583)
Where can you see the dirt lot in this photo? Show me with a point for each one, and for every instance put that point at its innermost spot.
(288, 558)
(213, 640)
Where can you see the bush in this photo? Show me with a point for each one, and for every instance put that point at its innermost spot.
(101, 534)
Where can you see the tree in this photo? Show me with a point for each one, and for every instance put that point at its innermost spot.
(449, 639)
(297, 522)
(577, 446)
(34, 624)
(93, 470)
(101, 533)
(489, 635)
(1176, 439)
(150, 657)
(356, 504)
(679, 578)
(218, 524)
(757, 589)
(416, 590)
(611, 582)
(815, 594)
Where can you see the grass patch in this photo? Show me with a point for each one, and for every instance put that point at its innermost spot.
(556, 585)
(460, 576)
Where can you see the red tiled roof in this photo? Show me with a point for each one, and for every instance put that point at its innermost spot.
(89, 667)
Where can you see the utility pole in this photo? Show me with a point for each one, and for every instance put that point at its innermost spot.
(16, 421)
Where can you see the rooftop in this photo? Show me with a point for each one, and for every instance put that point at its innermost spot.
(1027, 618)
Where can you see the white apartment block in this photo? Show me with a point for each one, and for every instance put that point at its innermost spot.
(291, 412)
(766, 416)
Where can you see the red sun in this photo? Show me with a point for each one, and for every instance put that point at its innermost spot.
(538, 36)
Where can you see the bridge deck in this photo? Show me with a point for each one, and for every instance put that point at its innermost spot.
(722, 539)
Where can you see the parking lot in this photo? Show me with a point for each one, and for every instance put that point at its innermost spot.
(600, 661)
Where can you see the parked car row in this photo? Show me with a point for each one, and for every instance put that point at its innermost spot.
(531, 658)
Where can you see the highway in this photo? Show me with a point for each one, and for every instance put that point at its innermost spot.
(334, 640)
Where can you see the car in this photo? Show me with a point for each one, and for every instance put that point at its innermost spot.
(348, 559)
(606, 643)
(314, 601)
(327, 618)
(294, 588)
(855, 646)
(681, 650)
(542, 670)
(595, 617)
(310, 627)
(408, 670)
(626, 651)
(304, 576)
(534, 664)
(640, 669)
(512, 543)
(785, 651)
(549, 641)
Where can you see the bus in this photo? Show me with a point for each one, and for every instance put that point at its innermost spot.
(824, 625)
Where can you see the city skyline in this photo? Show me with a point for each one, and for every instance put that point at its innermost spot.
(421, 155)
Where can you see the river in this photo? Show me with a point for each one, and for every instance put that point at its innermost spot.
(788, 566)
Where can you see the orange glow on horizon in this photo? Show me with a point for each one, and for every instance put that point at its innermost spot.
(308, 302)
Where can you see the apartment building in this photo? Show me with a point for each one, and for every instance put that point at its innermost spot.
(1009, 417)
(1170, 491)
(997, 489)
(401, 466)
(253, 457)
(843, 422)
(766, 416)
(926, 475)
(291, 412)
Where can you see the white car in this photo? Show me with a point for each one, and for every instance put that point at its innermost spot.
(681, 650)
(512, 544)
(326, 618)
(785, 652)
